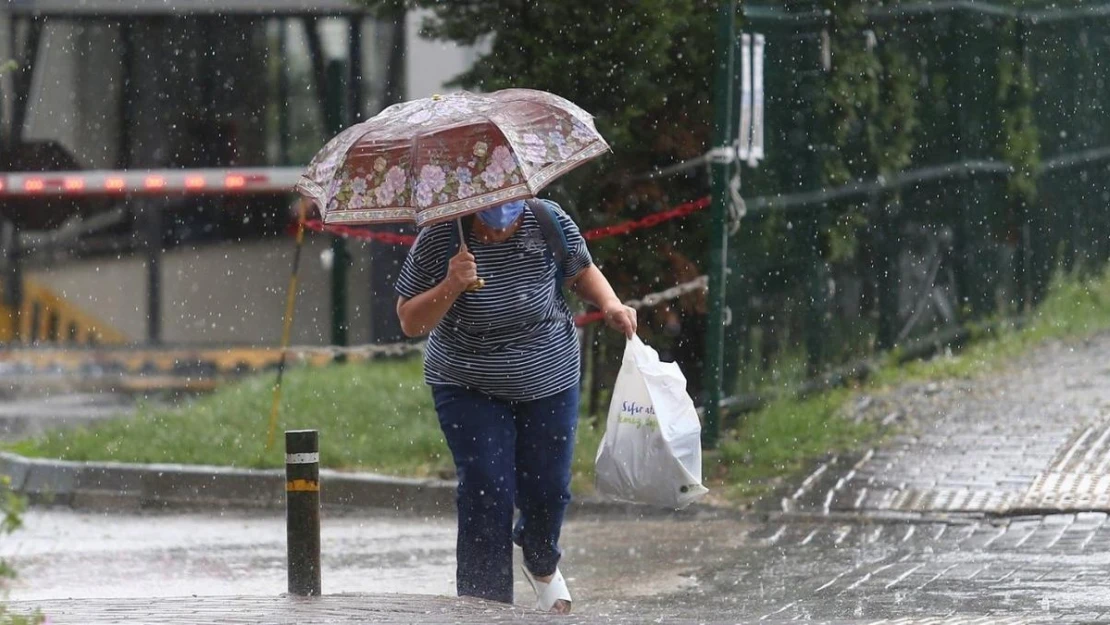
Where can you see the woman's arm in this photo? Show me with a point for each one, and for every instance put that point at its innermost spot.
(591, 285)
(420, 314)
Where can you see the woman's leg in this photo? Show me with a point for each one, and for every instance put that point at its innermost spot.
(481, 433)
(544, 450)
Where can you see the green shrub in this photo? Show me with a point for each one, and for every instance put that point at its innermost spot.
(11, 519)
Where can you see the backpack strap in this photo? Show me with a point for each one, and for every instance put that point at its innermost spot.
(553, 235)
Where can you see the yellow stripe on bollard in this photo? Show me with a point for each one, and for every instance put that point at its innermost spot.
(302, 486)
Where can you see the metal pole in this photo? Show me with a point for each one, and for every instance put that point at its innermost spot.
(126, 107)
(885, 209)
(302, 511)
(284, 133)
(24, 77)
(355, 105)
(150, 212)
(12, 276)
(337, 120)
(718, 236)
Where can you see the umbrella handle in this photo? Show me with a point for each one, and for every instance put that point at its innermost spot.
(479, 283)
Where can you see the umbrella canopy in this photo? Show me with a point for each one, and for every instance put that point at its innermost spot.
(431, 160)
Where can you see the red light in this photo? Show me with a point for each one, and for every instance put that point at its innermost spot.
(2, 185)
(195, 182)
(235, 182)
(114, 184)
(155, 182)
(33, 185)
(74, 184)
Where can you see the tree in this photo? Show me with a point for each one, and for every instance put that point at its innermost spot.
(642, 68)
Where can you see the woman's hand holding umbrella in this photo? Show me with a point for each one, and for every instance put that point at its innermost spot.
(462, 272)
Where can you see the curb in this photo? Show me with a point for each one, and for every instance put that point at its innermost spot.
(123, 487)
(137, 361)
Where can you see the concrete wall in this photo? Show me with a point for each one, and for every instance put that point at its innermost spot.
(222, 294)
(109, 290)
(74, 101)
(431, 64)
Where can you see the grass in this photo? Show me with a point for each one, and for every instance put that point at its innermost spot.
(371, 416)
(379, 416)
(376, 417)
(779, 440)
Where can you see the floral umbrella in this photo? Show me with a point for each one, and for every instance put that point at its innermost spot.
(440, 158)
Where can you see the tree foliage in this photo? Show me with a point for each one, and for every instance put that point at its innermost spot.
(642, 68)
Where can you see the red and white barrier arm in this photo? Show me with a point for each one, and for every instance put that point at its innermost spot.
(158, 182)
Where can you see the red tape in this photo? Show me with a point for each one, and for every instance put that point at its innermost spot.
(349, 232)
(586, 319)
(390, 238)
(650, 221)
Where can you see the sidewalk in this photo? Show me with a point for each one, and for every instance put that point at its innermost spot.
(28, 416)
(357, 609)
(334, 609)
(1032, 439)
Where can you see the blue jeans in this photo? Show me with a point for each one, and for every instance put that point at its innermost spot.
(507, 453)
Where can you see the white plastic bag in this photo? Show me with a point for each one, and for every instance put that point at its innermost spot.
(651, 452)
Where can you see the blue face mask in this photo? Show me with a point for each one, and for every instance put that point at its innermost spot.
(503, 216)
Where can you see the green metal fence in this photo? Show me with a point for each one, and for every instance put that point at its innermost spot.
(824, 273)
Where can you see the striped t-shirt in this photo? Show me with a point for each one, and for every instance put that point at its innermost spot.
(514, 339)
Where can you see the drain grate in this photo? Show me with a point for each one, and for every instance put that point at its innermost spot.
(1078, 478)
(952, 500)
(1087, 452)
(1068, 492)
(955, 620)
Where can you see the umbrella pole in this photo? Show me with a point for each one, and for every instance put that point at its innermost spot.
(287, 326)
(479, 283)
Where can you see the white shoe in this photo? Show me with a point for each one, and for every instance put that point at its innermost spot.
(549, 594)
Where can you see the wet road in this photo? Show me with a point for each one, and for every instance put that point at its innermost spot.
(1029, 569)
(67, 554)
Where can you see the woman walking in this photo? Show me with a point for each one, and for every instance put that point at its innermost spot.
(503, 365)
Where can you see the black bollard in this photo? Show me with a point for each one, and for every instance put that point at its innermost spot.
(302, 511)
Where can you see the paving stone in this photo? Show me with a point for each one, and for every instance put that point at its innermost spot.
(1000, 571)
